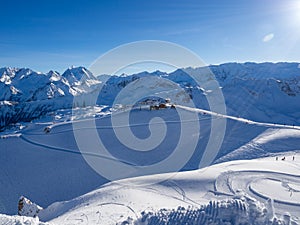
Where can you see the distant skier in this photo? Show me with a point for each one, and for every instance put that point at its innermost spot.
(283, 158)
(293, 158)
(276, 158)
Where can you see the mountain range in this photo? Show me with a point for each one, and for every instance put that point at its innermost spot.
(266, 92)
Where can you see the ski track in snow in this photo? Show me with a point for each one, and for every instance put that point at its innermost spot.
(72, 151)
(233, 182)
(61, 128)
(230, 183)
(96, 214)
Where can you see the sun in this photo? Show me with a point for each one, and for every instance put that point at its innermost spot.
(296, 13)
(296, 7)
(291, 9)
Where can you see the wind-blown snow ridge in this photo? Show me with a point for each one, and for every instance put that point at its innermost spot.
(273, 125)
(240, 210)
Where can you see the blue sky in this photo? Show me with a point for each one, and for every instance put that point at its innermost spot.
(53, 34)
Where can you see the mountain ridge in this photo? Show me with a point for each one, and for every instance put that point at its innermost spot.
(26, 94)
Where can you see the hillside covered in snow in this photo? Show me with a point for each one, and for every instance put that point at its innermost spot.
(42, 116)
(239, 192)
(254, 192)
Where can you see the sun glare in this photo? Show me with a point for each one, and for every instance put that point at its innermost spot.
(292, 11)
(296, 8)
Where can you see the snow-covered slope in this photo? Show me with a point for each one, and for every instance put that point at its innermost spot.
(50, 166)
(263, 108)
(236, 192)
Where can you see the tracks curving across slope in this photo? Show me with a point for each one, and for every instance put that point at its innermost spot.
(52, 148)
(282, 188)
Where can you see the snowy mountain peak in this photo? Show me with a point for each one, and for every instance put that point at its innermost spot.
(54, 75)
(24, 72)
(32, 94)
(24, 84)
(6, 75)
(75, 74)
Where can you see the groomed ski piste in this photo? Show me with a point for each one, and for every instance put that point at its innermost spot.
(264, 190)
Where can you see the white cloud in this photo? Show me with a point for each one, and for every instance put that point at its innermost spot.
(268, 37)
